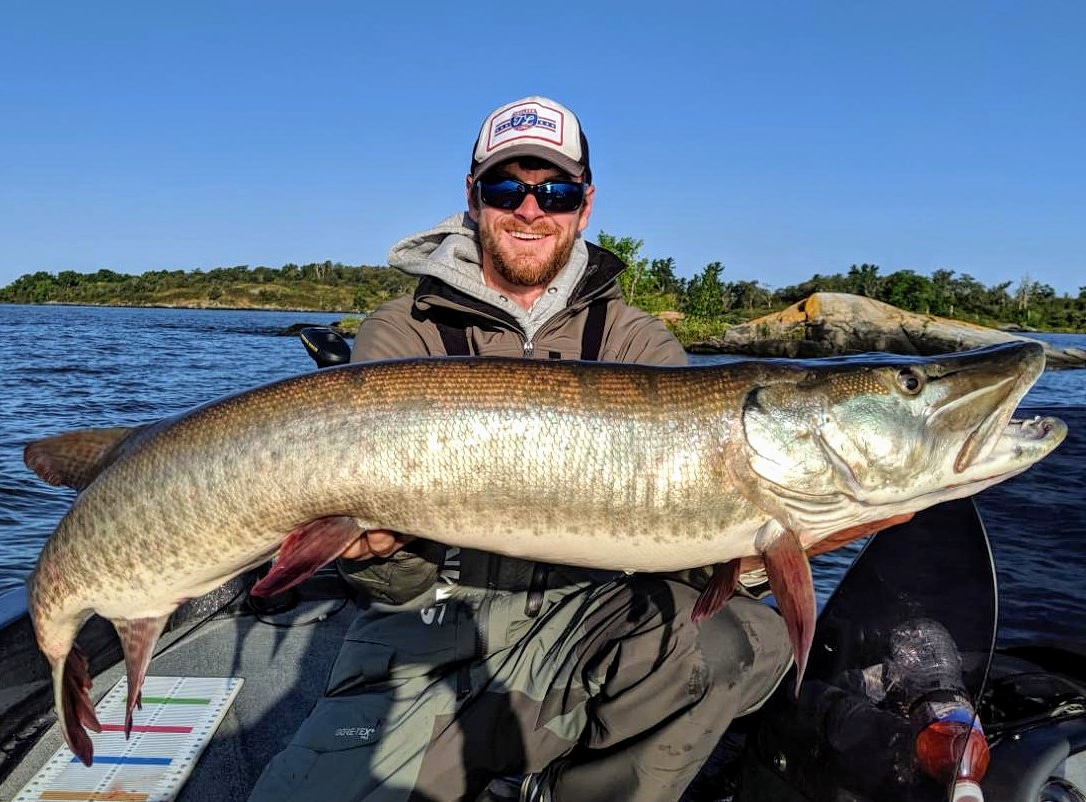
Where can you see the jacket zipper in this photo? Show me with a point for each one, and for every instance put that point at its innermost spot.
(528, 347)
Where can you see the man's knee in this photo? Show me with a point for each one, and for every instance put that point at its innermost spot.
(746, 649)
(741, 651)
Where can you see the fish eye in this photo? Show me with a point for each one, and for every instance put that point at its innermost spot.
(910, 381)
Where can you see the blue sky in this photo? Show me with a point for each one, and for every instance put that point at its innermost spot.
(780, 138)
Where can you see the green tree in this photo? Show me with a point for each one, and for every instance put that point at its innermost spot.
(31, 288)
(817, 283)
(663, 278)
(747, 295)
(705, 293)
(908, 290)
(108, 276)
(635, 281)
(997, 301)
(864, 280)
(943, 300)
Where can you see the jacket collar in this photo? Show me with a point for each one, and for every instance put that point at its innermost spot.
(599, 279)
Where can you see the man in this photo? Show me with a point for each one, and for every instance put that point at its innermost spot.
(472, 676)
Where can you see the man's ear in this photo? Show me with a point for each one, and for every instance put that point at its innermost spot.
(473, 210)
(586, 207)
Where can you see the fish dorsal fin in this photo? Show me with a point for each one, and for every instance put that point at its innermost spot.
(74, 459)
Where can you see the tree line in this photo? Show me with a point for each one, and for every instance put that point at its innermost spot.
(653, 285)
(706, 300)
(318, 285)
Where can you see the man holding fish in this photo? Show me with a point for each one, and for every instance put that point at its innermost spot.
(478, 661)
(475, 676)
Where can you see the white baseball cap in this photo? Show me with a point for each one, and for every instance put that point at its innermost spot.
(533, 126)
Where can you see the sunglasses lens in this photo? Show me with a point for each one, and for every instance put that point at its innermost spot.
(552, 196)
(559, 196)
(506, 194)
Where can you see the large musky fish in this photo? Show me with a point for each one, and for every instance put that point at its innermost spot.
(609, 466)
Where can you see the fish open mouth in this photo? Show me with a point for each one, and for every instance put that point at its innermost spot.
(983, 388)
(1003, 398)
(1023, 441)
(1029, 430)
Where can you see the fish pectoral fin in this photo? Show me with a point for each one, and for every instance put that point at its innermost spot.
(846, 536)
(74, 706)
(790, 580)
(74, 459)
(306, 549)
(716, 593)
(138, 639)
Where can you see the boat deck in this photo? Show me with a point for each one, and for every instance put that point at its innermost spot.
(284, 659)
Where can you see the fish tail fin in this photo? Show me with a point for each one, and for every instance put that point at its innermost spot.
(71, 683)
(138, 639)
(720, 588)
(790, 579)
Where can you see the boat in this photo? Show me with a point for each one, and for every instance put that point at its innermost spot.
(1031, 700)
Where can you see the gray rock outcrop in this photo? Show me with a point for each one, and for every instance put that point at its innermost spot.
(832, 324)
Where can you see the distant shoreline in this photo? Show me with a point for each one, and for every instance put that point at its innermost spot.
(1008, 327)
(198, 307)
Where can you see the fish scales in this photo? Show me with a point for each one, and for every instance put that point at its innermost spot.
(607, 466)
(373, 444)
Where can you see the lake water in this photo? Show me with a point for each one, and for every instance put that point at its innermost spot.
(70, 367)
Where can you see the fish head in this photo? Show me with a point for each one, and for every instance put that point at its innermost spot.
(849, 439)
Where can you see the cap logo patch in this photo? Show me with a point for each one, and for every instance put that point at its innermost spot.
(523, 120)
(537, 123)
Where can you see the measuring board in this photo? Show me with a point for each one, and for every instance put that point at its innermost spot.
(179, 716)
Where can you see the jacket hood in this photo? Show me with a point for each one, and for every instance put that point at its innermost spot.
(450, 253)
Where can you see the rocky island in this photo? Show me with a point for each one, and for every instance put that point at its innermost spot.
(833, 324)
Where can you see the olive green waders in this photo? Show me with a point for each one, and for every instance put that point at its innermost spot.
(610, 685)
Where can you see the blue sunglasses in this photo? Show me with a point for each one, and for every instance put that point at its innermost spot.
(509, 194)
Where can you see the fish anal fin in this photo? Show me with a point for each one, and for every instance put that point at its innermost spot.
(74, 459)
(716, 593)
(305, 550)
(74, 706)
(138, 639)
(790, 579)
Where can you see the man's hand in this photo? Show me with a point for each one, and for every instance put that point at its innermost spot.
(376, 543)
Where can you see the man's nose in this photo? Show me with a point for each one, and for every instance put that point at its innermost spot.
(529, 210)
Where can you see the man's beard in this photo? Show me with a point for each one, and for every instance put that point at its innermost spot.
(527, 270)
